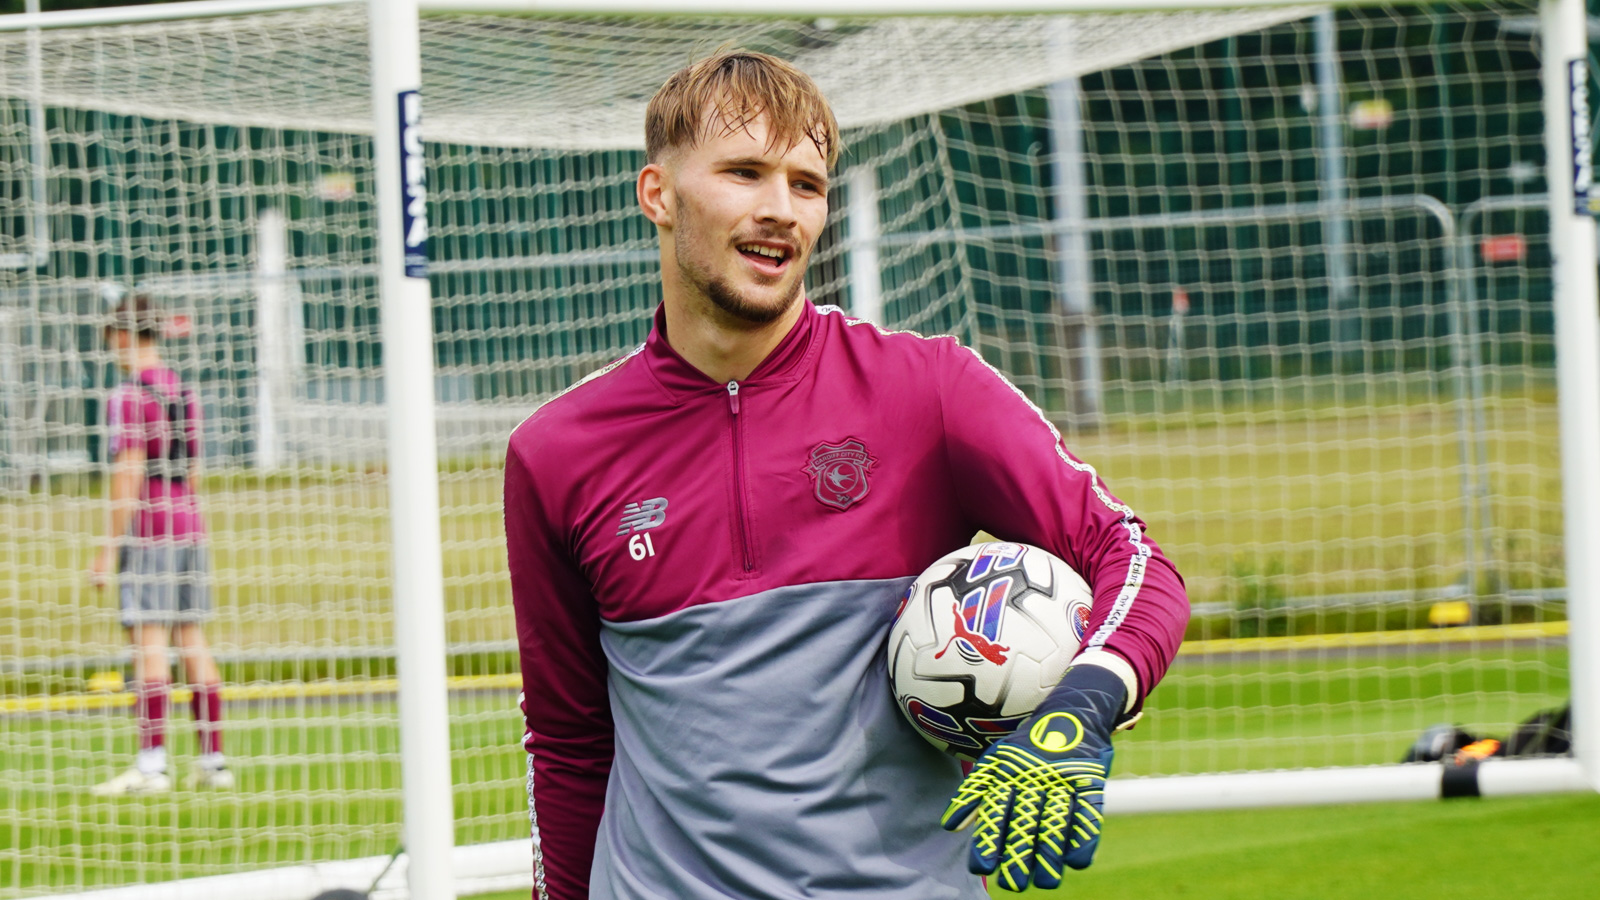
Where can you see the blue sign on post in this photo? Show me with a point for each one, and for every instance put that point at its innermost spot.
(413, 186)
(1582, 153)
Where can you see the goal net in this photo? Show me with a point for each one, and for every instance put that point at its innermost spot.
(1281, 274)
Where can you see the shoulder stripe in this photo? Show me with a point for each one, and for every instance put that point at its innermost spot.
(603, 370)
(850, 321)
(1134, 579)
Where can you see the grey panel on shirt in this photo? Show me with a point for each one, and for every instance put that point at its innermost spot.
(759, 755)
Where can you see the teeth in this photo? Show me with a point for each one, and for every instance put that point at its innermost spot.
(773, 252)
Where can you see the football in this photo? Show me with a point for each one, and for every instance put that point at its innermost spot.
(981, 638)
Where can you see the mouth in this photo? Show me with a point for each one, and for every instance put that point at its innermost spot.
(767, 257)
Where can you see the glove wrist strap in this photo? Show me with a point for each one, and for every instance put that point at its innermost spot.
(1097, 694)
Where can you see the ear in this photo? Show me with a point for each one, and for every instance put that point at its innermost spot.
(655, 195)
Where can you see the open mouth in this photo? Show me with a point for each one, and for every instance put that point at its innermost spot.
(766, 257)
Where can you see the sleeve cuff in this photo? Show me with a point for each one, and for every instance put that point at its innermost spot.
(1118, 666)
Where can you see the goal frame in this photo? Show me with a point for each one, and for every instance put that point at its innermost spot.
(414, 470)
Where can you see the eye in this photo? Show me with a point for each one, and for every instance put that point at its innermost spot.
(743, 172)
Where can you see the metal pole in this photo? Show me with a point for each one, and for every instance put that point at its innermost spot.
(40, 149)
(272, 326)
(1461, 374)
(407, 329)
(1072, 249)
(1476, 312)
(866, 279)
(1331, 161)
(33, 451)
(1564, 37)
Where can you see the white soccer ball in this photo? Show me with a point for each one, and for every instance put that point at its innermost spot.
(981, 638)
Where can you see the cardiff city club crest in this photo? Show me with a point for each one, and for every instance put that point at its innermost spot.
(840, 472)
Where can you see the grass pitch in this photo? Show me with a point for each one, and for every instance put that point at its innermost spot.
(320, 779)
(1492, 847)
(1496, 847)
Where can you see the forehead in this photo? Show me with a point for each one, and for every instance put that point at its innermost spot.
(722, 135)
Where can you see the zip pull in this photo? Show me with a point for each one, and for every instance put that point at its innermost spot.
(733, 396)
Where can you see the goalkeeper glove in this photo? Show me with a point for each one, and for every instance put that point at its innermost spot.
(1036, 795)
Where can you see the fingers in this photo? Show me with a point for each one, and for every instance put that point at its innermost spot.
(989, 831)
(1022, 825)
(964, 805)
(1051, 844)
(1084, 824)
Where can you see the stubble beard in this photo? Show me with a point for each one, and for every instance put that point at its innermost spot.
(739, 307)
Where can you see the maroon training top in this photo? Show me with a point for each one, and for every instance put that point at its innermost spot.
(648, 496)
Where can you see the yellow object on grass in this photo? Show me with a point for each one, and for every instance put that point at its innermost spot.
(105, 682)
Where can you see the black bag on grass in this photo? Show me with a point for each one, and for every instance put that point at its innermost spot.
(1547, 732)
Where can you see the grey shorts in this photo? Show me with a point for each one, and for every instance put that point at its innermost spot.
(164, 583)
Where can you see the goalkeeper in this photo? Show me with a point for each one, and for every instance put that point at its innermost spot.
(156, 544)
(709, 537)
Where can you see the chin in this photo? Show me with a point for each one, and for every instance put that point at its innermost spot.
(758, 310)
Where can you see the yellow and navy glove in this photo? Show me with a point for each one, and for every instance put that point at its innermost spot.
(1036, 795)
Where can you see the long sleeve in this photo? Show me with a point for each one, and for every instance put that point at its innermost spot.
(1016, 480)
(569, 729)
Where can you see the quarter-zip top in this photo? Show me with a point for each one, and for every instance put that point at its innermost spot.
(704, 573)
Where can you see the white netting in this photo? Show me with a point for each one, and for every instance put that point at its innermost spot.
(580, 83)
(1334, 417)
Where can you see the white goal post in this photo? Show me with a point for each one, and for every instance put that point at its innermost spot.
(1311, 305)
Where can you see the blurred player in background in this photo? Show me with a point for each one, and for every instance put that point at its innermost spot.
(708, 540)
(157, 546)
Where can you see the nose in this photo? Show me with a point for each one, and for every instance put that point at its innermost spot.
(776, 205)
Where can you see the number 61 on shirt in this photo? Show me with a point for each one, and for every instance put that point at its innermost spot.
(640, 546)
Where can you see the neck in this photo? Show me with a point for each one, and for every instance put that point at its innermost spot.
(722, 346)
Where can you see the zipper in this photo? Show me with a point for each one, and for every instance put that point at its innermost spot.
(738, 476)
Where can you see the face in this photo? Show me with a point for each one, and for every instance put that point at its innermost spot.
(122, 346)
(742, 219)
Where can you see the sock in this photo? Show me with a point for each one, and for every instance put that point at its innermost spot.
(207, 706)
(150, 712)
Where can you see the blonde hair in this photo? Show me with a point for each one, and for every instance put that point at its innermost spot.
(737, 86)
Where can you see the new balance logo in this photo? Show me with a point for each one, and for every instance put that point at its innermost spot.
(643, 516)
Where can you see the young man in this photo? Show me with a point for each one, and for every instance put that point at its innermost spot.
(709, 537)
(157, 545)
